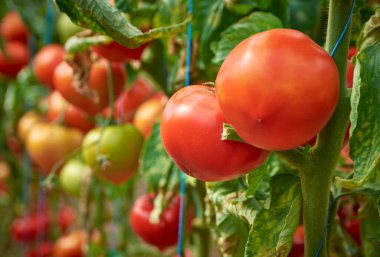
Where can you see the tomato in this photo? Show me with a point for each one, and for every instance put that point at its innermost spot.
(278, 89)
(66, 217)
(119, 53)
(350, 74)
(149, 113)
(27, 122)
(162, 235)
(352, 226)
(66, 28)
(352, 51)
(298, 243)
(14, 145)
(48, 144)
(113, 152)
(17, 57)
(349, 218)
(71, 245)
(28, 228)
(43, 249)
(72, 176)
(12, 28)
(191, 128)
(346, 156)
(59, 108)
(45, 61)
(5, 170)
(98, 83)
(128, 102)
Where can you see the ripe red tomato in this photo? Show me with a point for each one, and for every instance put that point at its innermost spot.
(131, 98)
(71, 245)
(66, 217)
(17, 57)
(149, 113)
(350, 74)
(278, 89)
(118, 53)
(47, 144)
(352, 51)
(29, 227)
(191, 128)
(98, 82)
(119, 148)
(59, 108)
(353, 228)
(44, 249)
(12, 28)
(298, 243)
(162, 235)
(45, 61)
(349, 218)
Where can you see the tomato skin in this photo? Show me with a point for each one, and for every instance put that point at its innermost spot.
(162, 235)
(98, 81)
(119, 145)
(28, 228)
(350, 74)
(71, 245)
(298, 243)
(44, 249)
(47, 144)
(5, 170)
(72, 116)
(26, 123)
(131, 98)
(66, 217)
(269, 93)
(149, 113)
(18, 57)
(192, 120)
(352, 51)
(119, 53)
(12, 28)
(45, 62)
(71, 177)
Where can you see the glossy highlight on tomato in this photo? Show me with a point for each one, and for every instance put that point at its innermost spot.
(191, 129)
(98, 83)
(163, 234)
(278, 89)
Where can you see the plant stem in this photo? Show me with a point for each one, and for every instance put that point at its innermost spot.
(316, 178)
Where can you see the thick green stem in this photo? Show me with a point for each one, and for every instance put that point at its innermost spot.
(316, 177)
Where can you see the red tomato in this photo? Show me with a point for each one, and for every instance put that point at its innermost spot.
(350, 74)
(98, 83)
(59, 108)
(12, 28)
(128, 102)
(352, 51)
(71, 245)
(162, 235)
(348, 215)
(28, 228)
(278, 89)
(298, 243)
(17, 57)
(66, 217)
(45, 61)
(149, 113)
(353, 228)
(345, 154)
(118, 53)
(191, 128)
(44, 249)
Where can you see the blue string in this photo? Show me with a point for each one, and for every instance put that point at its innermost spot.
(49, 21)
(332, 54)
(344, 29)
(182, 175)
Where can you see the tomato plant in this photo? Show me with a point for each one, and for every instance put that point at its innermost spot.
(272, 113)
(15, 57)
(97, 84)
(185, 133)
(45, 62)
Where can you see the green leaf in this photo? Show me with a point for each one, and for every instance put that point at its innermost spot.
(246, 27)
(370, 33)
(370, 229)
(272, 231)
(365, 117)
(246, 6)
(230, 134)
(101, 17)
(155, 162)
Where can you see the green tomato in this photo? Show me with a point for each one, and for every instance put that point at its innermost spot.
(72, 176)
(113, 152)
(66, 28)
